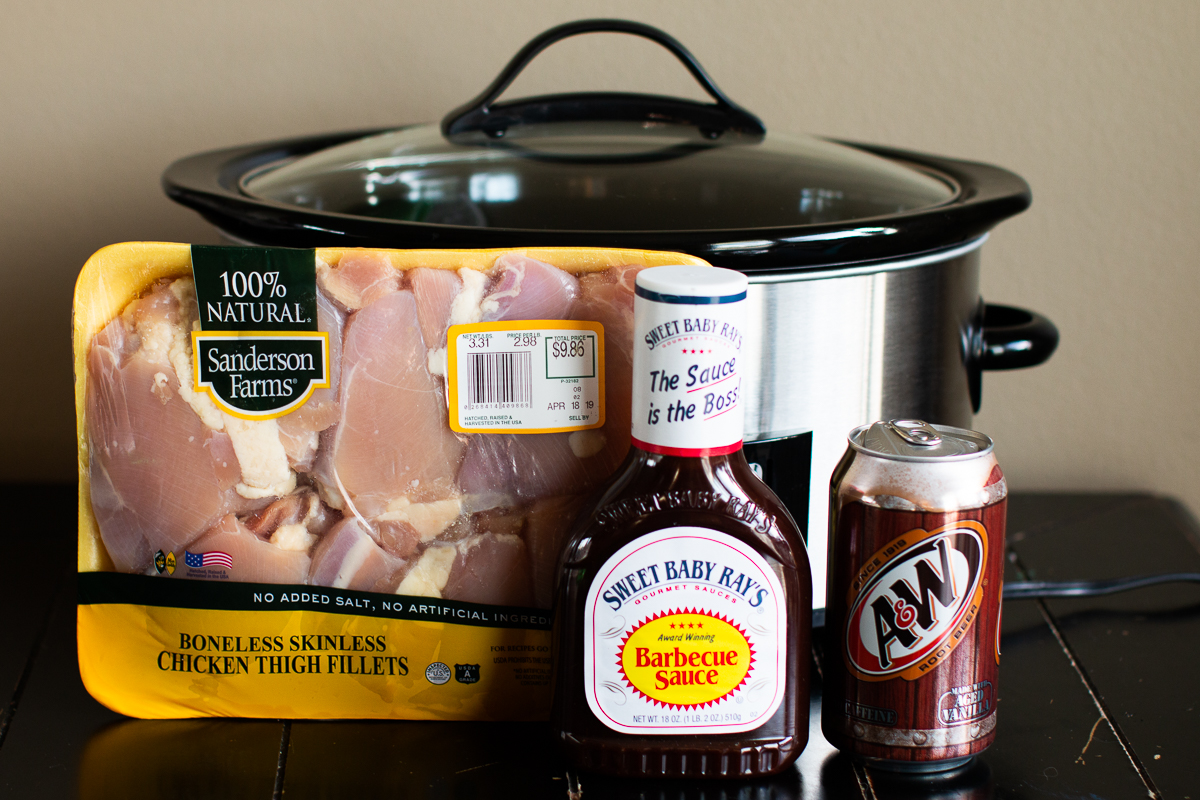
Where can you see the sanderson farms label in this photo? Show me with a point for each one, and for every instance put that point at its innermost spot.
(259, 354)
(684, 633)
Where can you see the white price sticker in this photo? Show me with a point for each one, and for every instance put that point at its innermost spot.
(526, 376)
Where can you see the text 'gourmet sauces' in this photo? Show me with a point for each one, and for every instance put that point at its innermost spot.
(913, 608)
(685, 603)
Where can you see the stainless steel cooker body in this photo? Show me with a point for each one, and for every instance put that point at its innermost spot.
(829, 351)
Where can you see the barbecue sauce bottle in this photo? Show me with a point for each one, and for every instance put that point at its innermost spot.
(685, 597)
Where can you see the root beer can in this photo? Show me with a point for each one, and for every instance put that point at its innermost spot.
(916, 553)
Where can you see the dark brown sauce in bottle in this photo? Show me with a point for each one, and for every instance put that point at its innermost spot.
(687, 576)
(655, 492)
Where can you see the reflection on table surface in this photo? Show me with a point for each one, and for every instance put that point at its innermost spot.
(418, 760)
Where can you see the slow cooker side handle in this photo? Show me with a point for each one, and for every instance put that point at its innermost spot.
(483, 114)
(1006, 337)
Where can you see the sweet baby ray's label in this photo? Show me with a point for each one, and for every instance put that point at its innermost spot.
(684, 633)
(526, 376)
(687, 379)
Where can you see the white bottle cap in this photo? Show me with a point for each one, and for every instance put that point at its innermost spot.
(689, 283)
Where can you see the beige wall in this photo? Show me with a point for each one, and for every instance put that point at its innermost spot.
(1094, 103)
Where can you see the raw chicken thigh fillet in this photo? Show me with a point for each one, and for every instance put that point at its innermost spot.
(365, 487)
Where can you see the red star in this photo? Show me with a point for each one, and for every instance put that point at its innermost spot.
(699, 624)
(672, 624)
(690, 625)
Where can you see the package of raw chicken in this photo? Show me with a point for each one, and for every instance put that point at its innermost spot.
(334, 483)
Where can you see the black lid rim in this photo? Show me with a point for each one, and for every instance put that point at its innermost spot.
(209, 183)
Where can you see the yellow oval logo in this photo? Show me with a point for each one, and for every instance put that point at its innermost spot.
(686, 659)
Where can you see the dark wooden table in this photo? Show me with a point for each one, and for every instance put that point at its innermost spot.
(1098, 696)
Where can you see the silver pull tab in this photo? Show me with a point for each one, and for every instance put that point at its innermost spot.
(914, 431)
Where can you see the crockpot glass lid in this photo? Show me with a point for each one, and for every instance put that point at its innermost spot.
(597, 162)
(596, 176)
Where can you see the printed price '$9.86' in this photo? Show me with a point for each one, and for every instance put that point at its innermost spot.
(575, 348)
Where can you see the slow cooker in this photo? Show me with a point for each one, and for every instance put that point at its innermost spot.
(863, 260)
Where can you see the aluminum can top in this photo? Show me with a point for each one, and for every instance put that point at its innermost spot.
(914, 440)
(907, 464)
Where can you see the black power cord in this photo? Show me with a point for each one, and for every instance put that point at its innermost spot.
(1029, 590)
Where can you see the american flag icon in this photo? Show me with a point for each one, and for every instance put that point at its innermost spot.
(213, 558)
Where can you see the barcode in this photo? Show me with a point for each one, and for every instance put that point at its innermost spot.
(500, 378)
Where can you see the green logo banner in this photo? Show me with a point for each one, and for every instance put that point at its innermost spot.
(255, 288)
(259, 353)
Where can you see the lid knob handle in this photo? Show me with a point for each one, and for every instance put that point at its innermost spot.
(483, 114)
